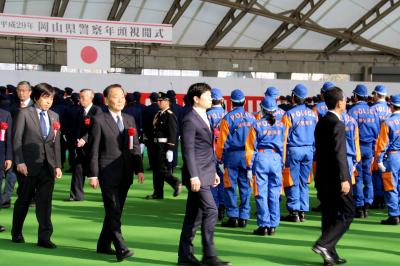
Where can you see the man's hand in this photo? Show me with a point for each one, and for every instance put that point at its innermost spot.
(250, 176)
(221, 167)
(7, 165)
(80, 143)
(140, 178)
(22, 169)
(94, 182)
(345, 187)
(381, 167)
(169, 156)
(195, 184)
(58, 173)
(217, 180)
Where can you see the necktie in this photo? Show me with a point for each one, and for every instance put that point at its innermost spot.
(156, 118)
(43, 125)
(120, 124)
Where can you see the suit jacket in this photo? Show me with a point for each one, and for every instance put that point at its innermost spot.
(331, 155)
(82, 129)
(198, 151)
(6, 145)
(30, 147)
(111, 160)
(149, 113)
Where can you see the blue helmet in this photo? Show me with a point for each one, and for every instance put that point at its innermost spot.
(237, 96)
(269, 104)
(300, 91)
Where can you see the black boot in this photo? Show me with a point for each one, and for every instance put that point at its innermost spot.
(221, 212)
(293, 216)
(359, 212)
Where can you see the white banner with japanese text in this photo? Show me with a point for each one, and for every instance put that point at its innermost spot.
(54, 27)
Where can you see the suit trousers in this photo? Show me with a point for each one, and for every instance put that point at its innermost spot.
(337, 214)
(114, 197)
(41, 187)
(77, 181)
(200, 210)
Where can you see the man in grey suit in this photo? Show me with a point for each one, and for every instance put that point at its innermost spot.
(199, 175)
(38, 159)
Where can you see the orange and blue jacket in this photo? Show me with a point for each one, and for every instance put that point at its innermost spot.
(367, 120)
(389, 137)
(352, 138)
(234, 128)
(300, 122)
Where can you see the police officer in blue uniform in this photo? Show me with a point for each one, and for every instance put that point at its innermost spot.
(265, 155)
(215, 115)
(320, 108)
(388, 158)
(230, 152)
(383, 111)
(300, 122)
(368, 130)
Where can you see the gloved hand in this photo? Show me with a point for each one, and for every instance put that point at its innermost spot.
(170, 156)
(141, 148)
(381, 167)
(250, 176)
(221, 167)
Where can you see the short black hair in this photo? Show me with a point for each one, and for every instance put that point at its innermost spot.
(360, 98)
(197, 89)
(238, 104)
(42, 89)
(68, 91)
(297, 99)
(332, 97)
(108, 88)
(216, 102)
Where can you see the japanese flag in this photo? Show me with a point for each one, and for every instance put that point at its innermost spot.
(88, 54)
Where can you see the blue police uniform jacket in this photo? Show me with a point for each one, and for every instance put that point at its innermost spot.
(389, 136)
(366, 119)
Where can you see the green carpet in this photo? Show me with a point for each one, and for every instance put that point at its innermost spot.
(152, 229)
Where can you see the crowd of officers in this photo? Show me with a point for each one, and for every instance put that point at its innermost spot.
(269, 153)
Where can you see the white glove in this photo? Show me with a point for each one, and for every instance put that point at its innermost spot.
(381, 167)
(170, 156)
(250, 176)
(221, 167)
(141, 148)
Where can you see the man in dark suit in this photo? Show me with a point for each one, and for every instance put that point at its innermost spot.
(333, 180)
(5, 147)
(199, 176)
(24, 92)
(114, 158)
(81, 128)
(38, 159)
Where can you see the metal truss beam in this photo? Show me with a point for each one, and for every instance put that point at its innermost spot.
(378, 12)
(227, 23)
(59, 7)
(117, 10)
(176, 10)
(285, 29)
(2, 4)
(310, 26)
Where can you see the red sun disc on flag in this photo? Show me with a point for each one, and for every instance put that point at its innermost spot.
(89, 54)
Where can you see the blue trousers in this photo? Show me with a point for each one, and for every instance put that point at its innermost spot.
(392, 198)
(268, 184)
(299, 160)
(10, 180)
(363, 190)
(218, 191)
(236, 176)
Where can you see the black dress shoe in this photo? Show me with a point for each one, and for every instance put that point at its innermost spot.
(365, 210)
(337, 259)
(46, 244)
(177, 189)
(271, 231)
(2, 228)
(18, 238)
(152, 196)
(325, 254)
(214, 261)
(232, 222)
(6, 204)
(302, 216)
(261, 231)
(189, 260)
(293, 217)
(123, 255)
(221, 212)
(392, 220)
(242, 223)
(107, 251)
